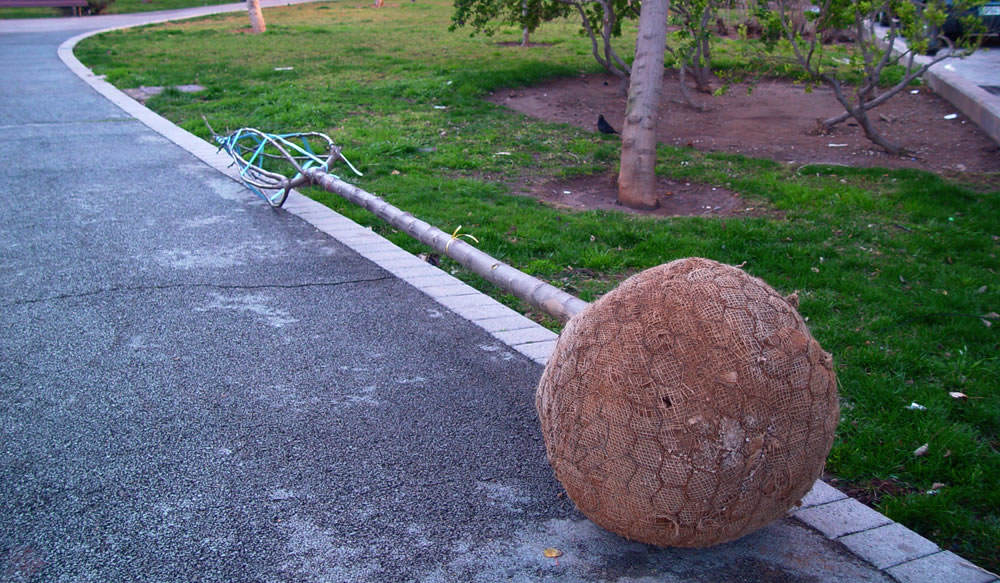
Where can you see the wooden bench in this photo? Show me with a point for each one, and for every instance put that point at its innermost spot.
(78, 6)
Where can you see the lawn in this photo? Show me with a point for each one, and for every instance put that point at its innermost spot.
(896, 269)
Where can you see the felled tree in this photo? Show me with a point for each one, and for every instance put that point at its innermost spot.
(921, 25)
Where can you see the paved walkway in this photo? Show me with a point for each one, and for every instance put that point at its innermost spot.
(196, 388)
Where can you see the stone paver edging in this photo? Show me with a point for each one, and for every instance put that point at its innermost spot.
(897, 551)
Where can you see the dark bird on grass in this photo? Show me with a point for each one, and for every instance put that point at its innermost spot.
(603, 126)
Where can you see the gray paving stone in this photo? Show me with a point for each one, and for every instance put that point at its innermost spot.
(334, 226)
(299, 201)
(537, 350)
(505, 323)
(417, 273)
(889, 545)
(536, 334)
(478, 311)
(449, 290)
(477, 301)
(842, 517)
(822, 493)
(388, 254)
(296, 204)
(358, 236)
(390, 263)
(331, 218)
(361, 242)
(943, 567)
(312, 212)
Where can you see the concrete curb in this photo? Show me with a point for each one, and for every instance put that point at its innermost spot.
(900, 553)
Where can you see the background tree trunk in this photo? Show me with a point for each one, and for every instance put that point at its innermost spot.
(257, 23)
(525, 32)
(637, 177)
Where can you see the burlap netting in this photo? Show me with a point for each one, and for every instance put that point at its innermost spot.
(688, 407)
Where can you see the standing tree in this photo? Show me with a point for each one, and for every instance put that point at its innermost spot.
(257, 24)
(637, 176)
(920, 24)
(525, 31)
(693, 53)
(600, 19)
(486, 16)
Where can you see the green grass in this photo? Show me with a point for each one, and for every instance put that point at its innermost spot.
(895, 268)
(31, 12)
(116, 7)
(127, 6)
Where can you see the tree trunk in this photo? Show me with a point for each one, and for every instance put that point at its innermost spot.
(257, 23)
(860, 113)
(875, 137)
(524, 32)
(637, 177)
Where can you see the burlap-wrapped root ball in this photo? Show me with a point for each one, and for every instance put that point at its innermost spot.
(688, 407)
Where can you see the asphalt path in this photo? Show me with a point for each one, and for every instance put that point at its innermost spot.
(194, 387)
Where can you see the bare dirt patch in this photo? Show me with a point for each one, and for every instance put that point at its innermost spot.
(676, 198)
(772, 119)
(144, 93)
(871, 492)
(518, 44)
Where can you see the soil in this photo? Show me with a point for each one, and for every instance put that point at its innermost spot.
(871, 492)
(676, 198)
(772, 119)
(518, 44)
